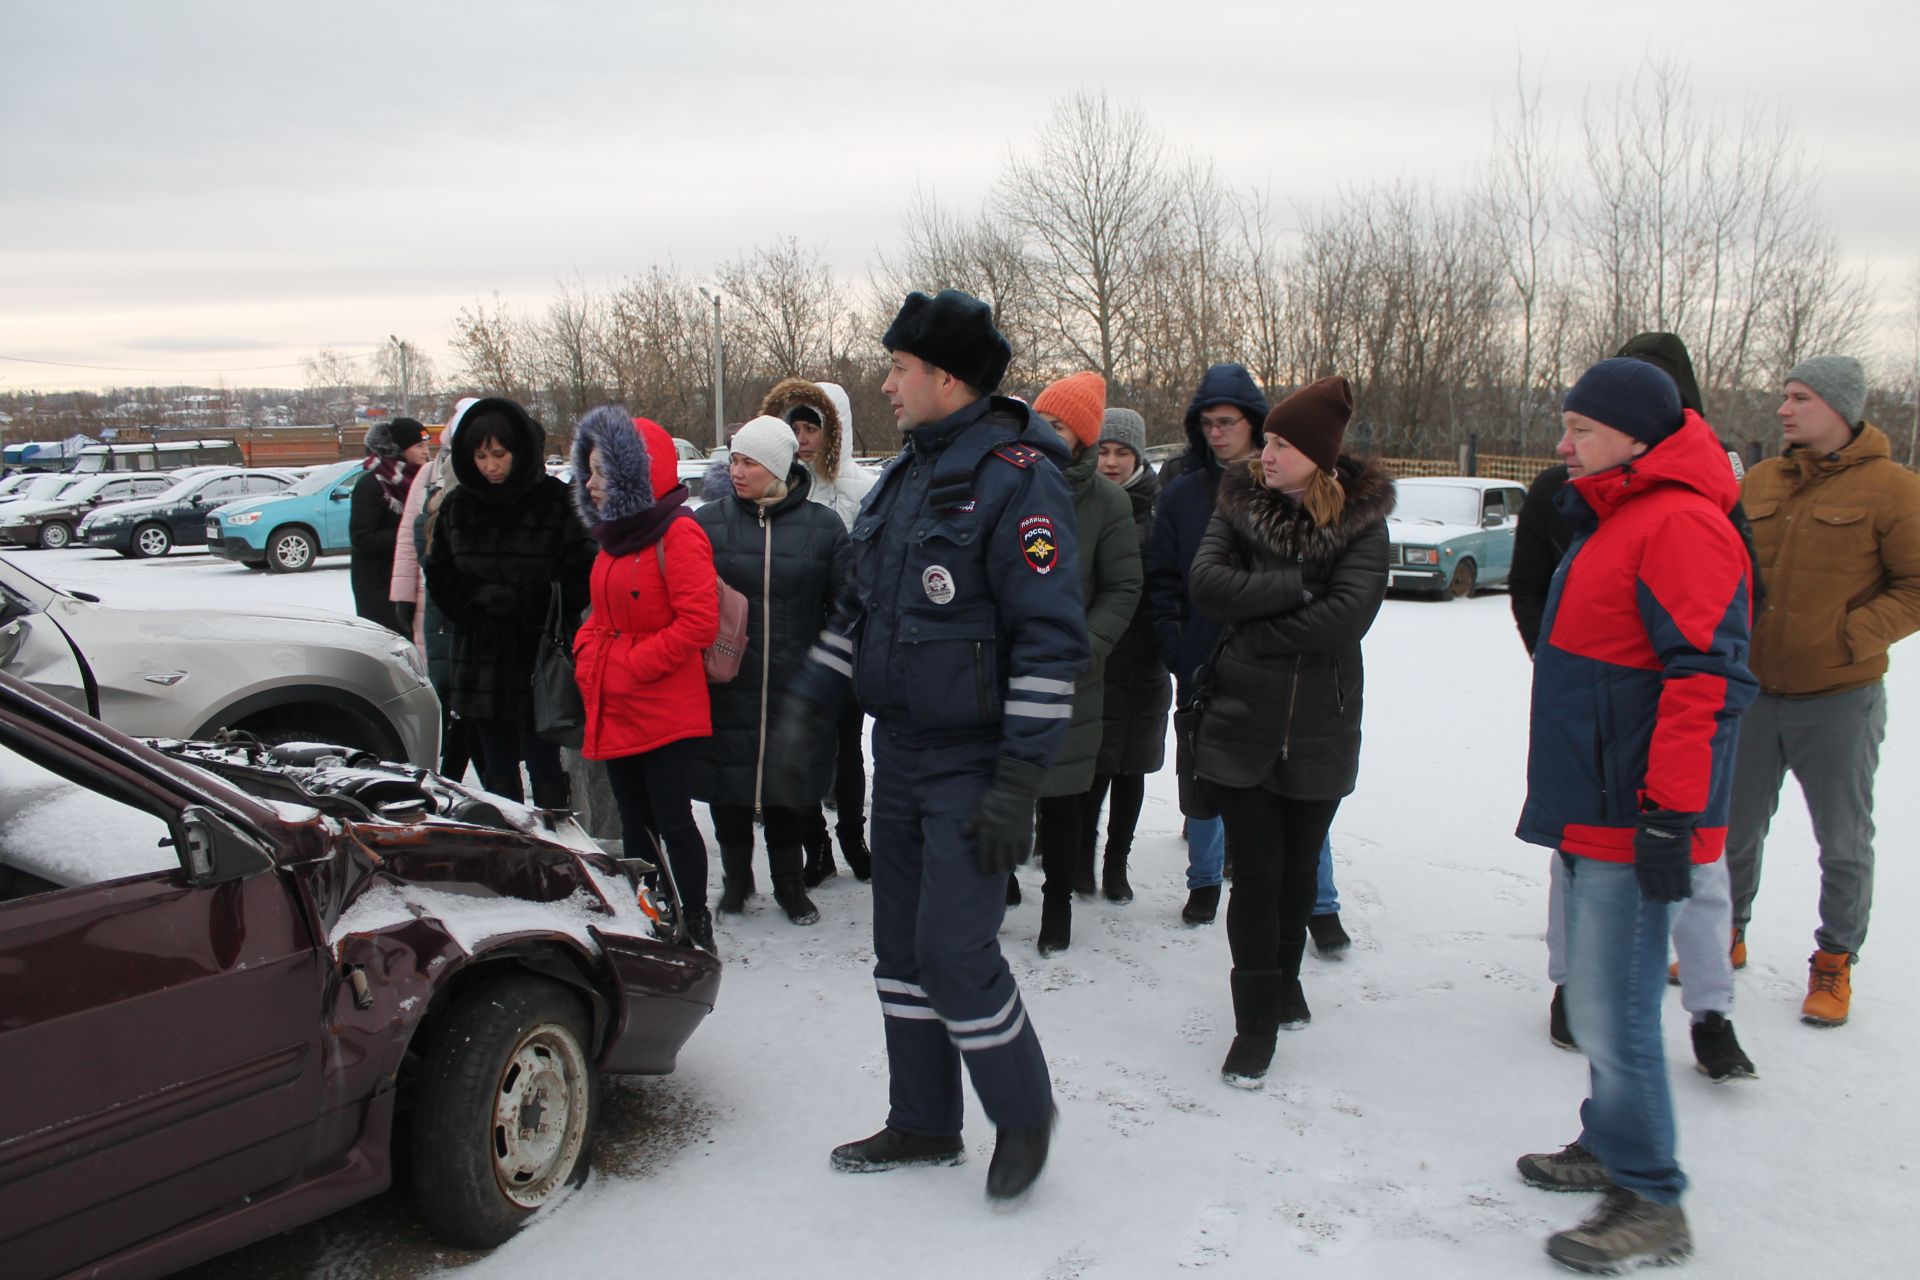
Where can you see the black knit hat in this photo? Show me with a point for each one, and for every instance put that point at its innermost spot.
(1665, 352)
(1629, 395)
(952, 331)
(407, 432)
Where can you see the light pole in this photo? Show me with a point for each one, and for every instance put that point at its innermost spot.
(400, 348)
(719, 408)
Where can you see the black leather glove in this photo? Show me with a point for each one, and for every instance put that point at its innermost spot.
(802, 733)
(403, 611)
(1002, 824)
(497, 600)
(1663, 855)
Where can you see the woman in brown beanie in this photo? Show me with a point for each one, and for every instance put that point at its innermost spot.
(1294, 564)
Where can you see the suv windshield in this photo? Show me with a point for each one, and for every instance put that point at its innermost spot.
(319, 480)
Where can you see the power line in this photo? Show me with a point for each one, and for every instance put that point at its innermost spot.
(121, 368)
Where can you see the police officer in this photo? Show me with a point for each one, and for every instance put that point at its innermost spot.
(962, 641)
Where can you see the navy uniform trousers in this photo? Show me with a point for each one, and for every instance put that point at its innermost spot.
(944, 987)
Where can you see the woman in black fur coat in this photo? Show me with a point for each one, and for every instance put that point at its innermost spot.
(1294, 564)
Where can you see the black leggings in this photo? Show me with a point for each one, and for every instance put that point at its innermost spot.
(1057, 834)
(1129, 793)
(1274, 844)
(849, 782)
(654, 792)
(503, 744)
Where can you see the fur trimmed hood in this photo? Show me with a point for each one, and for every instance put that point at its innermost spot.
(523, 436)
(639, 459)
(828, 400)
(1280, 526)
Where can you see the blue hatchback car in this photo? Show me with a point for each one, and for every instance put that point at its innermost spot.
(1452, 534)
(289, 531)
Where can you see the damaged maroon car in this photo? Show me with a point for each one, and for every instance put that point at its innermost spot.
(233, 976)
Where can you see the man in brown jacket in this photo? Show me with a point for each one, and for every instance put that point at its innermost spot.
(1836, 537)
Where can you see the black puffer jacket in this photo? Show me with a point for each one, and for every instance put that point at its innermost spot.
(811, 559)
(495, 553)
(1296, 598)
(1133, 738)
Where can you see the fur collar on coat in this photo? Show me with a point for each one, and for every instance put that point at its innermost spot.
(1279, 525)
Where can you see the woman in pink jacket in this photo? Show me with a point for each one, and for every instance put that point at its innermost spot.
(637, 656)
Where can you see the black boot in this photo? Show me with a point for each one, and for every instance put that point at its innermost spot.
(555, 794)
(736, 878)
(504, 785)
(1202, 905)
(1018, 1157)
(819, 864)
(1056, 923)
(1257, 997)
(1083, 878)
(1113, 877)
(853, 847)
(700, 929)
(791, 894)
(896, 1149)
(1329, 938)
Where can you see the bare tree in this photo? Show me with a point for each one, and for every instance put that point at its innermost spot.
(495, 350)
(787, 313)
(1519, 195)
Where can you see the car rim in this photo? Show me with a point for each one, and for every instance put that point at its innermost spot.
(54, 536)
(153, 542)
(292, 552)
(539, 1115)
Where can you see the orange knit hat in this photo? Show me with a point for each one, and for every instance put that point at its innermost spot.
(1080, 401)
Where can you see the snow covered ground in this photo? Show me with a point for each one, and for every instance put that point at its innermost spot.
(1385, 1139)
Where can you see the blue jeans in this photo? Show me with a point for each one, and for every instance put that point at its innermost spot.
(1326, 898)
(1616, 980)
(1206, 852)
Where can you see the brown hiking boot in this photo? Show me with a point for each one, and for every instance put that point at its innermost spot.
(1629, 1230)
(1829, 989)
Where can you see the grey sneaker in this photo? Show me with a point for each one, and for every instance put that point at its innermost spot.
(1628, 1230)
(1571, 1168)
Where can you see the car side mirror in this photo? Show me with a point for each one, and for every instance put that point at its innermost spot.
(218, 851)
(340, 495)
(1492, 520)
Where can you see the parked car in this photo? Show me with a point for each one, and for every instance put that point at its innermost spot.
(34, 486)
(1159, 453)
(1452, 534)
(233, 978)
(153, 526)
(279, 672)
(166, 455)
(50, 523)
(288, 531)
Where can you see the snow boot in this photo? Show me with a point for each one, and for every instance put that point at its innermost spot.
(1202, 904)
(896, 1149)
(1329, 939)
(1294, 1013)
(1083, 878)
(555, 794)
(1258, 997)
(1571, 1168)
(819, 859)
(1019, 1154)
(1717, 1053)
(700, 929)
(1113, 877)
(1628, 1230)
(791, 894)
(1557, 1029)
(1056, 923)
(853, 847)
(1829, 989)
(736, 878)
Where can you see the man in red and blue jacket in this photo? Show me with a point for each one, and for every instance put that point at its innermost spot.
(1639, 681)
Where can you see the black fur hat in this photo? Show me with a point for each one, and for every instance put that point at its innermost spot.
(952, 331)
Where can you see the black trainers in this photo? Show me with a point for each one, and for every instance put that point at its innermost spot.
(1557, 1021)
(1018, 1157)
(896, 1149)
(1329, 939)
(1571, 1168)
(1717, 1053)
(1202, 905)
(1628, 1230)
(700, 929)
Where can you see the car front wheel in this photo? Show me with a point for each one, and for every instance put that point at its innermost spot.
(1463, 580)
(54, 535)
(291, 551)
(151, 540)
(504, 1110)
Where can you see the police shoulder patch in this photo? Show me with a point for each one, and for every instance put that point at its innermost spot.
(1037, 543)
(1020, 455)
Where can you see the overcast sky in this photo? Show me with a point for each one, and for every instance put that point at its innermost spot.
(197, 190)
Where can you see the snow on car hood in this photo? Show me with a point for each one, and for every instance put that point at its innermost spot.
(1424, 531)
(475, 922)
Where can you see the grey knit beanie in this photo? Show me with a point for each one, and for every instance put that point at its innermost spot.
(1124, 426)
(1839, 380)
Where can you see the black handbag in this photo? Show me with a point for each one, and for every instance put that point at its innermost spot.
(559, 713)
(1195, 800)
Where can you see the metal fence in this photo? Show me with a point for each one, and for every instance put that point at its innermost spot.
(1493, 466)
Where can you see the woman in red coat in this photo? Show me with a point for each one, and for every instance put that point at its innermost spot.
(637, 656)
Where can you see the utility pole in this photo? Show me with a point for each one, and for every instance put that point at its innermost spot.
(719, 407)
(400, 349)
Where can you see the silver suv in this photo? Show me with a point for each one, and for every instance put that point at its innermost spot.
(282, 673)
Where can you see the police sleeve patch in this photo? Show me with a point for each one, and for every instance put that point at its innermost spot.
(1037, 543)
